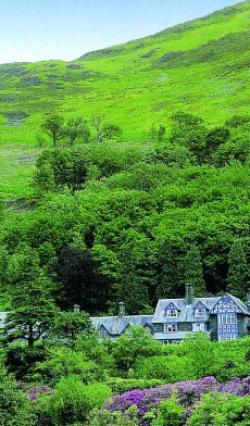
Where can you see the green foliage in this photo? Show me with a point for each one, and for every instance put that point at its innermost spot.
(169, 413)
(76, 129)
(20, 360)
(82, 281)
(238, 274)
(169, 368)
(111, 131)
(33, 311)
(157, 134)
(33, 306)
(106, 418)
(64, 362)
(121, 385)
(53, 125)
(200, 352)
(220, 410)
(127, 348)
(15, 408)
(68, 325)
(71, 402)
(194, 271)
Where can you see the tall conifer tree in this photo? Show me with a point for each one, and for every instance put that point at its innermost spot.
(194, 271)
(238, 275)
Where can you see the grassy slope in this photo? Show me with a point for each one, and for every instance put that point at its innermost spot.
(201, 66)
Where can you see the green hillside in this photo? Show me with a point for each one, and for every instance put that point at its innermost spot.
(201, 66)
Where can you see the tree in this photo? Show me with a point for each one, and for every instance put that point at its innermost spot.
(189, 131)
(184, 119)
(111, 131)
(238, 275)
(33, 307)
(53, 125)
(157, 134)
(70, 324)
(168, 270)
(214, 139)
(238, 121)
(137, 342)
(194, 271)
(81, 280)
(161, 133)
(44, 179)
(33, 312)
(97, 122)
(200, 352)
(76, 128)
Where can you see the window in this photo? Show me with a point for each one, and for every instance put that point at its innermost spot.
(170, 328)
(225, 319)
(200, 312)
(171, 311)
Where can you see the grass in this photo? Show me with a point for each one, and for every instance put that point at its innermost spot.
(17, 165)
(201, 67)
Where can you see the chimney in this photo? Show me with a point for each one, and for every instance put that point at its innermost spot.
(121, 311)
(189, 294)
(77, 308)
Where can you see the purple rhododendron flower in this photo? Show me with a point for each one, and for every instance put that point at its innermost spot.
(188, 393)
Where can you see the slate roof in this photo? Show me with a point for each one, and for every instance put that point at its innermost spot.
(116, 325)
(186, 312)
(241, 305)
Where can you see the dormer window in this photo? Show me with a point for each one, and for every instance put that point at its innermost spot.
(171, 311)
(199, 310)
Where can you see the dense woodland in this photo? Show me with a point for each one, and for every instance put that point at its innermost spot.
(124, 176)
(110, 222)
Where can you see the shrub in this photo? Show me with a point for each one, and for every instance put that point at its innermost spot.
(168, 368)
(71, 402)
(169, 413)
(15, 408)
(146, 399)
(21, 360)
(65, 362)
(120, 385)
(128, 348)
(116, 418)
(220, 410)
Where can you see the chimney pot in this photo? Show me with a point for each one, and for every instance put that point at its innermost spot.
(121, 312)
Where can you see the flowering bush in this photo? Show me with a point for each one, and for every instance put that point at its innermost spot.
(147, 399)
(187, 392)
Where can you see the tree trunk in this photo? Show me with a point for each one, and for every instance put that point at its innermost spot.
(30, 337)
